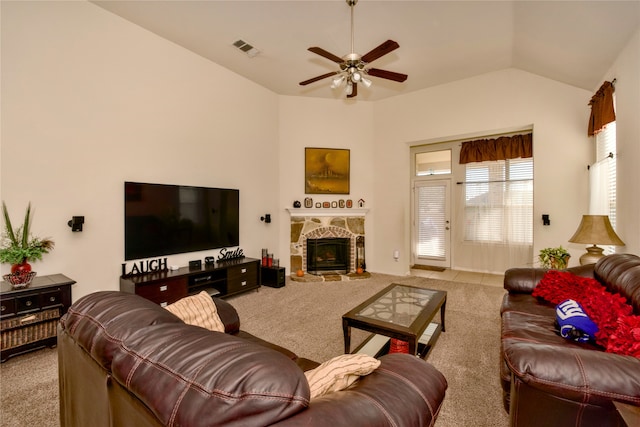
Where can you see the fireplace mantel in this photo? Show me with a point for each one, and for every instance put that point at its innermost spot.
(331, 212)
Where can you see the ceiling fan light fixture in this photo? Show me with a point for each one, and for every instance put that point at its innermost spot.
(356, 76)
(349, 89)
(366, 82)
(337, 81)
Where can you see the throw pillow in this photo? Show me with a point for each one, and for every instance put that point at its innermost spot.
(198, 310)
(573, 322)
(339, 373)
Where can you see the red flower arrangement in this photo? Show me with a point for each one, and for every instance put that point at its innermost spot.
(618, 329)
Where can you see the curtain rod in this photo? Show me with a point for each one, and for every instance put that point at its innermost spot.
(489, 182)
(609, 156)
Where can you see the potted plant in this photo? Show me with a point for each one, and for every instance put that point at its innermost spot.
(556, 258)
(18, 247)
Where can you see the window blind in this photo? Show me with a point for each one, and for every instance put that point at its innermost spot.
(431, 220)
(605, 144)
(499, 201)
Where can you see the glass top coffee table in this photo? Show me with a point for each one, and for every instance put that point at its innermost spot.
(399, 311)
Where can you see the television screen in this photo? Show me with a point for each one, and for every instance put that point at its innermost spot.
(170, 219)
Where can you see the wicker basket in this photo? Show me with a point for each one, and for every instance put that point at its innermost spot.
(29, 328)
(20, 280)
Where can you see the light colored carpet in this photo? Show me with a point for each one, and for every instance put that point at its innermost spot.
(307, 319)
(29, 390)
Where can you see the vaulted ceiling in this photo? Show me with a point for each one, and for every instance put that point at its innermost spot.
(574, 42)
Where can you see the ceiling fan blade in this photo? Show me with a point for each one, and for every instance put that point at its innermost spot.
(354, 91)
(325, 54)
(389, 75)
(383, 49)
(315, 79)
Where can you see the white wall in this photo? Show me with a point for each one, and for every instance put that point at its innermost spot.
(500, 100)
(626, 71)
(90, 100)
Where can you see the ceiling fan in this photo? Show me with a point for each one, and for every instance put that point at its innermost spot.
(353, 67)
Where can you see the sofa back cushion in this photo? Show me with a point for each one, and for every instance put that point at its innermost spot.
(187, 375)
(620, 273)
(100, 321)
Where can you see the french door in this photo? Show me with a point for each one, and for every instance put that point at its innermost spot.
(431, 223)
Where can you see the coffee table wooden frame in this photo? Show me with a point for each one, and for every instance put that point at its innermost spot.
(411, 334)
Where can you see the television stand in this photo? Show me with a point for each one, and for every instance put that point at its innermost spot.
(223, 279)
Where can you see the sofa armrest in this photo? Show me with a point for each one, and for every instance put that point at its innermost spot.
(402, 391)
(581, 375)
(228, 316)
(524, 280)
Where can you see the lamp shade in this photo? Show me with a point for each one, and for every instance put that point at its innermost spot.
(597, 230)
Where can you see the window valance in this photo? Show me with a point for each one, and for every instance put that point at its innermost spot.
(602, 111)
(501, 148)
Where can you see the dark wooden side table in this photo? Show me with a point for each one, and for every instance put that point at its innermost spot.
(29, 316)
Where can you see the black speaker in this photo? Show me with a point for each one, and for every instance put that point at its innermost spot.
(273, 277)
(195, 265)
(76, 223)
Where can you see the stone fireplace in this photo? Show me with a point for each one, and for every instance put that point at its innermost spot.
(310, 227)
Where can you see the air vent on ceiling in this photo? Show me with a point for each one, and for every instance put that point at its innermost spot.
(246, 48)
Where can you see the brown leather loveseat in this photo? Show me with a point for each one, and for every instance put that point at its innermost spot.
(125, 361)
(550, 381)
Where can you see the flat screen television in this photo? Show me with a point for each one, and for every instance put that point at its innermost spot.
(165, 219)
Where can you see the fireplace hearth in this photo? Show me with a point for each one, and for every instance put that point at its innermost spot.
(326, 255)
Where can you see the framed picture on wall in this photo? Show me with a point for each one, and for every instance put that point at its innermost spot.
(326, 170)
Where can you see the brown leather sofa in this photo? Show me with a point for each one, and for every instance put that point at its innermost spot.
(550, 381)
(125, 361)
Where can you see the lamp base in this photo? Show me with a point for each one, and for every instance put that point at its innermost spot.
(594, 253)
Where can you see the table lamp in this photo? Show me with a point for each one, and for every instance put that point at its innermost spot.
(597, 230)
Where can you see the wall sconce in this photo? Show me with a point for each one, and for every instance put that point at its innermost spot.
(76, 223)
(266, 218)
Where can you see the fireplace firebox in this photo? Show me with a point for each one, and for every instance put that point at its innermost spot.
(328, 255)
